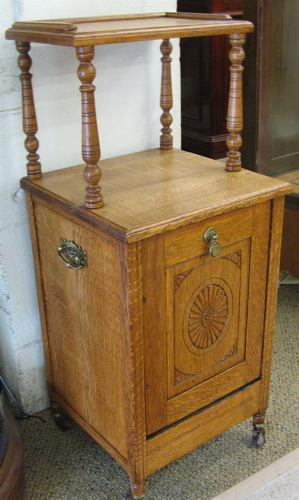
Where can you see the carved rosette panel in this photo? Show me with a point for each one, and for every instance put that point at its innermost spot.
(208, 316)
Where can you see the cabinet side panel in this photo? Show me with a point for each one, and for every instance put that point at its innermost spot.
(257, 287)
(39, 288)
(85, 324)
(271, 300)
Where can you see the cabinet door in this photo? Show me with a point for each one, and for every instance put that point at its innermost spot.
(211, 340)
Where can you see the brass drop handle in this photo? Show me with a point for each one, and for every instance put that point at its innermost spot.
(71, 254)
(211, 236)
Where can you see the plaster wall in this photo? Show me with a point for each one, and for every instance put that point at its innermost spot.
(128, 113)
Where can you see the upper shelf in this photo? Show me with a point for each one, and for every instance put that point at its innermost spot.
(78, 32)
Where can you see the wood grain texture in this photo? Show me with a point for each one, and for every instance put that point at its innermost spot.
(271, 298)
(39, 288)
(90, 139)
(154, 336)
(85, 327)
(187, 243)
(173, 189)
(211, 285)
(28, 111)
(258, 285)
(166, 96)
(134, 367)
(235, 103)
(154, 332)
(201, 427)
(119, 29)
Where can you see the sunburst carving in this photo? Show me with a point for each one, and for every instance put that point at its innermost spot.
(231, 353)
(234, 257)
(179, 278)
(208, 316)
(181, 377)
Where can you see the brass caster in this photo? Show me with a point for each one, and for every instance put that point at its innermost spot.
(258, 436)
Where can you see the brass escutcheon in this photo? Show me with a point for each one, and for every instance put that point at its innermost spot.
(71, 254)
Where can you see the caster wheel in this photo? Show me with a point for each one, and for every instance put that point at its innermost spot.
(260, 441)
(258, 438)
(63, 423)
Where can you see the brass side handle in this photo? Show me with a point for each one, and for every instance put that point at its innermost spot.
(71, 254)
(211, 236)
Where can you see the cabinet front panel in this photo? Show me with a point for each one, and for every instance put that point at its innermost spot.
(214, 313)
(207, 300)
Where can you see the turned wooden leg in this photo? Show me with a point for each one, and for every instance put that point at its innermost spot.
(28, 111)
(91, 152)
(166, 96)
(235, 103)
(258, 431)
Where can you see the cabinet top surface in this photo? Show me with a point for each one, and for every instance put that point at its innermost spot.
(155, 191)
(129, 28)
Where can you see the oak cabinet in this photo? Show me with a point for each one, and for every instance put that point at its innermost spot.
(157, 298)
(155, 345)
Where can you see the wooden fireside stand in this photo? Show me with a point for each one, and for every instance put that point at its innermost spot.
(158, 293)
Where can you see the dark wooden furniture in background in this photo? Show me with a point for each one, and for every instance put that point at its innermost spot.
(158, 298)
(205, 83)
(278, 120)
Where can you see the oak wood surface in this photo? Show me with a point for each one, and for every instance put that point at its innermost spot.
(39, 288)
(166, 96)
(206, 285)
(188, 242)
(121, 353)
(85, 325)
(96, 31)
(107, 348)
(131, 265)
(153, 191)
(271, 298)
(155, 365)
(235, 103)
(91, 152)
(179, 439)
(28, 111)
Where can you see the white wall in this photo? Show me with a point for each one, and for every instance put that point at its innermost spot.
(128, 112)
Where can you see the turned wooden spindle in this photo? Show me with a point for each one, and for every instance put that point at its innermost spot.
(166, 96)
(91, 152)
(235, 103)
(28, 110)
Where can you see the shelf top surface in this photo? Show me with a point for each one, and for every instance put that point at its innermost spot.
(129, 28)
(153, 191)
